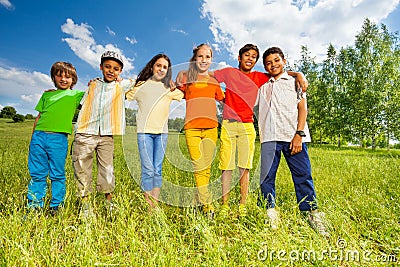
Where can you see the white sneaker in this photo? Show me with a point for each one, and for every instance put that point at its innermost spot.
(86, 212)
(316, 220)
(111, 207)
(273, 218)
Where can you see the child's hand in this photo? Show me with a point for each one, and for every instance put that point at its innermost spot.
(179, 78)
(129, 95)
(172, 86)
(301, 82)
(296, 146)
(98, 78)
(50, 90)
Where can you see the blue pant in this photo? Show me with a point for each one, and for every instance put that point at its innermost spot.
(47, 155)
(152, 151)
(300, 168)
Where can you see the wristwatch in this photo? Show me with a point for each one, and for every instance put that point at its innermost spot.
(301, 133)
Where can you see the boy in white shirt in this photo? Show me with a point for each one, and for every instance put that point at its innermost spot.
(283, 129)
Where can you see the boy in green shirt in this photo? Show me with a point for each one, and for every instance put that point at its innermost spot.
(49, 143)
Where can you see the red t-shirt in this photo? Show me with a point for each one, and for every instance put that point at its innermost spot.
(241, 92)
(201, 108)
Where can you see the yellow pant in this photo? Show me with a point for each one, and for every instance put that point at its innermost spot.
(201, 145)
(237, 136)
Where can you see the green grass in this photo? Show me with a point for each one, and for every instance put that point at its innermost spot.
(357, 189)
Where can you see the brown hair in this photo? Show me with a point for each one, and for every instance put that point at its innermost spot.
(59, 68)
(147, 72)
(248, 47)
(193, 71)
(273, 50)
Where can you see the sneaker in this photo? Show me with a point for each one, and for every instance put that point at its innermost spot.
(111, 207)
(32, 212)
(54, 211)
(242, 211)
(273, 218)
(86, 212)
(211, 215)
(209, 211)
(316, 220)
(224, 211)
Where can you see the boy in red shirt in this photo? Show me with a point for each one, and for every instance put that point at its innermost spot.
(238, 133)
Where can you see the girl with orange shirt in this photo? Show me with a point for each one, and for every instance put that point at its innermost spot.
(201, 91)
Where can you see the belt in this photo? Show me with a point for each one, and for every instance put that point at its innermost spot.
(232, 120)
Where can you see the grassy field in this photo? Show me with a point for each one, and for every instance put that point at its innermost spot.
(357, 189)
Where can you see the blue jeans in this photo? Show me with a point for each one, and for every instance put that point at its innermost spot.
(47, 155)
(300, 168)
(152, 151)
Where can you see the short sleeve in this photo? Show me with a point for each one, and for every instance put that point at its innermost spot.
(219, 75)
(79, 95)
(131, 94)
(127, 84)
(177, 95)
(40, 104)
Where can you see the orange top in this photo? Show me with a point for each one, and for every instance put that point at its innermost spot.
(201, 108)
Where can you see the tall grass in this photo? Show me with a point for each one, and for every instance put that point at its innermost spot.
(357, 189)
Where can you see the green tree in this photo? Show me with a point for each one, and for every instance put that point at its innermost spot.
(8, 112)
(18, 118)
(130, 116)
(29, 116)
(315, 97)
(176, 124)
(375, 68)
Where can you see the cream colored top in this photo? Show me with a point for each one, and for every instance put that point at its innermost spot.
(154, 101)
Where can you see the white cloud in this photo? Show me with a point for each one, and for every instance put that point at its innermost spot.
(109, 31)
(20, 81)
(34, 98)
(179, 31)
(131, 40)
(290, 24)
(85, 47)
(7, 4)
(22, 89)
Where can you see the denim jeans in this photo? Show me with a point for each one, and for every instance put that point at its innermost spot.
(152, 150)
(300, 168)
(47, 155)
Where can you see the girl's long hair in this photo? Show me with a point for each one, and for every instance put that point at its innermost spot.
(193, 71)
(147, 72)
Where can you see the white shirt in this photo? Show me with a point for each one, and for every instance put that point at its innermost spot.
(278, 113)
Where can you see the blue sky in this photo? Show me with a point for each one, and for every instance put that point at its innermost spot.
(35, 34)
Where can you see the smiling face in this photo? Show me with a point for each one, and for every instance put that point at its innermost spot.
(247, 60)
(203, 59)
(160, 69)
(62, 80)
(111, 70)
(274, 64)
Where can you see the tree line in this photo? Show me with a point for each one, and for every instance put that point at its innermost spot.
(354, 94)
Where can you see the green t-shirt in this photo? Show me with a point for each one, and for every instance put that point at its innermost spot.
(57, 109)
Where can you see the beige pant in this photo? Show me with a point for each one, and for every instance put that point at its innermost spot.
(83, 153)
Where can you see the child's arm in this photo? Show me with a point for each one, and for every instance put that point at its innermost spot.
(34, 124)
(301, 81)
(179, 81)
(180, 78)
(297, 141)
(130, 95)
